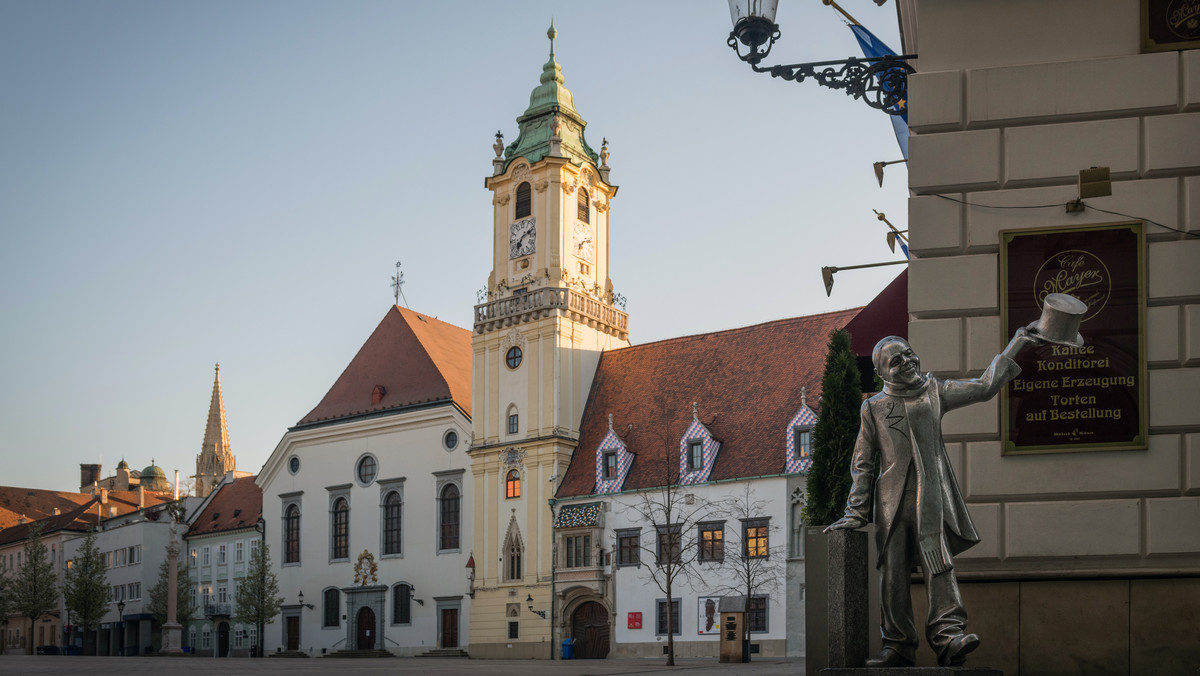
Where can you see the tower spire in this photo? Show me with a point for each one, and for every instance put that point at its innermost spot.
(216, 456)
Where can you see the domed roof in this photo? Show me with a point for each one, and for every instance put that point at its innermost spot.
(122, 464)
(155, 479)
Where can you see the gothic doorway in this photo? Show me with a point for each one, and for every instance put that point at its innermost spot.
(449, 627)
(223, 639)
(589, 628)
(293, 632)
(366, 626)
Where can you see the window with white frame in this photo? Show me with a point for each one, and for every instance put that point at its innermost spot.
(222, 594)
(206, 637)
(135, 554)
(192, 558)
(239, 551)
(221, 556)
(135, 591)
(192, 636)
(205, 557)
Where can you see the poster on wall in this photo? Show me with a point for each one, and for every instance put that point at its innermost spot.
(1169, 25)
(709, 620)
(1086, 398)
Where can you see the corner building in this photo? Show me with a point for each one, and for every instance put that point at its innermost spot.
(548, 316)
(1090, 559)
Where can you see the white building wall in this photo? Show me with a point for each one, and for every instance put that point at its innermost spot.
(411, 455)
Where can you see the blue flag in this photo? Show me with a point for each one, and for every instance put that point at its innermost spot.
(873, 47)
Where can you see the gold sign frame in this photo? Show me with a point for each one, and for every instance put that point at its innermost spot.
(1092, 398)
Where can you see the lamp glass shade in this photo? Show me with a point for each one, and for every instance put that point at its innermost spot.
(752, 9)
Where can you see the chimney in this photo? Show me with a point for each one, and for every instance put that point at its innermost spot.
(57, 511)
(88, 474)
(22, 519)
(112, 511)
(141, 496)
(104, 496)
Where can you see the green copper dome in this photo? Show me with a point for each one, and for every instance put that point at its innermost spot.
(155, 479)
(550, 103)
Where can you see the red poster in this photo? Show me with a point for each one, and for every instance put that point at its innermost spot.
(635, 620)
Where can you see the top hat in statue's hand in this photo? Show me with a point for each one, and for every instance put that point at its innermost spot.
(1059, 324)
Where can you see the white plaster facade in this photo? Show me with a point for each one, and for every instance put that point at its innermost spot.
(413, 460)
(212, 631)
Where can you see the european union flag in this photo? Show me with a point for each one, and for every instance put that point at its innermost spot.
(873, 47)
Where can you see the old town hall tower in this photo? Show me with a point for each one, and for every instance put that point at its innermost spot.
(548, 315)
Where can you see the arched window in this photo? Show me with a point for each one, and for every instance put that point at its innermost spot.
(402, 604)
(291, 534)
(585, 211)
(514, 420)
(524, 200)
(513, 549)
(339, 546)
(448, 518)
(331, 607)
(512, 484)
(391, 523)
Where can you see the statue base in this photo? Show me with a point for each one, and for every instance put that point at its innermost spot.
(172, 639)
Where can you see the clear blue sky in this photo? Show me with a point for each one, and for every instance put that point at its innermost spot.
(184, 183)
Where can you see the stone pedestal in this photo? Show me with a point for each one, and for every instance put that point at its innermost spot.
(841, 604)
(172, 639)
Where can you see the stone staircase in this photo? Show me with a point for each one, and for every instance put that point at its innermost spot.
(360, 654)
(445, 652)
(288, 653)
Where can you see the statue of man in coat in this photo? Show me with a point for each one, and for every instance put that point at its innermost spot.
(900, 467)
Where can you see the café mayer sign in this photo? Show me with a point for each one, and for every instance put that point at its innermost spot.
(1091, 397)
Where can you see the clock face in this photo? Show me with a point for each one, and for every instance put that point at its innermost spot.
(583, 242)
(521, 238)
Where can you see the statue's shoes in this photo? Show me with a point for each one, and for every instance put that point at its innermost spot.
(957, 650)
(889, 657)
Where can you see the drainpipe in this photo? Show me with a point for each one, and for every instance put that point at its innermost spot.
(553, 577)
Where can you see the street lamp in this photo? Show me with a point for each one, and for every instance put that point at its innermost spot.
(881, 82)
(539, 613)
(121, 624)
(306, 605)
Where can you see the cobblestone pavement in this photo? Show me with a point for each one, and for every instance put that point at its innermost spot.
(22, 665)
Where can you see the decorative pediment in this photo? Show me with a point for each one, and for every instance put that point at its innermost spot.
(513, 458)
(513, 338)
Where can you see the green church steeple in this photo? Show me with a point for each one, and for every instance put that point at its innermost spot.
(550, 120)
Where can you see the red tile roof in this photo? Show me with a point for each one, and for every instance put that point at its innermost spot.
(746, 382)
(35, 503)
(78, 517)
(416, 359)
(235, 505)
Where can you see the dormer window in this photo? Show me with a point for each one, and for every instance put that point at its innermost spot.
(585, 211)
(610, 465)
(802, 442)
(695, 455)
(524, 200)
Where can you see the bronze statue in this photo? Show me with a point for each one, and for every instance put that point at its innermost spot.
(900, 466)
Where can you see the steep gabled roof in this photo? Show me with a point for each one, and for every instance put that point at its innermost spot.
(746, 383)
(410, 359)
(236, 505)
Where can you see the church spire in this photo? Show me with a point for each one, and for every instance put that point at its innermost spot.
(550, 117)
(215, 457)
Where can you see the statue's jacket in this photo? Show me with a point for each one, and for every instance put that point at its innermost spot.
(901, 435)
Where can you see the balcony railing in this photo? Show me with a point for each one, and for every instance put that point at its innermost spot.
(546, 302)
(216, 610)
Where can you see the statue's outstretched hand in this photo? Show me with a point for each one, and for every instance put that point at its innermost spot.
(846, 523)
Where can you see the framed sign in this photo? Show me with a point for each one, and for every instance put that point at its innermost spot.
(1089, 398)
(708, 619)
(634, 621)
(1169, 25)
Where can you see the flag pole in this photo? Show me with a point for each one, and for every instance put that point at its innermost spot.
(838, 7)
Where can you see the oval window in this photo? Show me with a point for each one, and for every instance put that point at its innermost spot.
(513, 358)
(367, 469)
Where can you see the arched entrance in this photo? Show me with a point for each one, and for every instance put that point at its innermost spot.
(589, 627)
(223, 639)
(366, 628)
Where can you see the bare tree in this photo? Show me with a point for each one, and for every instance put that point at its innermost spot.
(674, 514)
(758, 567)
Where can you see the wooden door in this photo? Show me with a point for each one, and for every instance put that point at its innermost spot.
(366, 628)
(293, 632)
(589, 627)
(223, 639)
(449, 627)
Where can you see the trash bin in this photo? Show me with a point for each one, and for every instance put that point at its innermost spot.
(253, 651)
(568, 649)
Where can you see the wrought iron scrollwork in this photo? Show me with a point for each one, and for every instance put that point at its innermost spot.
(881, 82)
